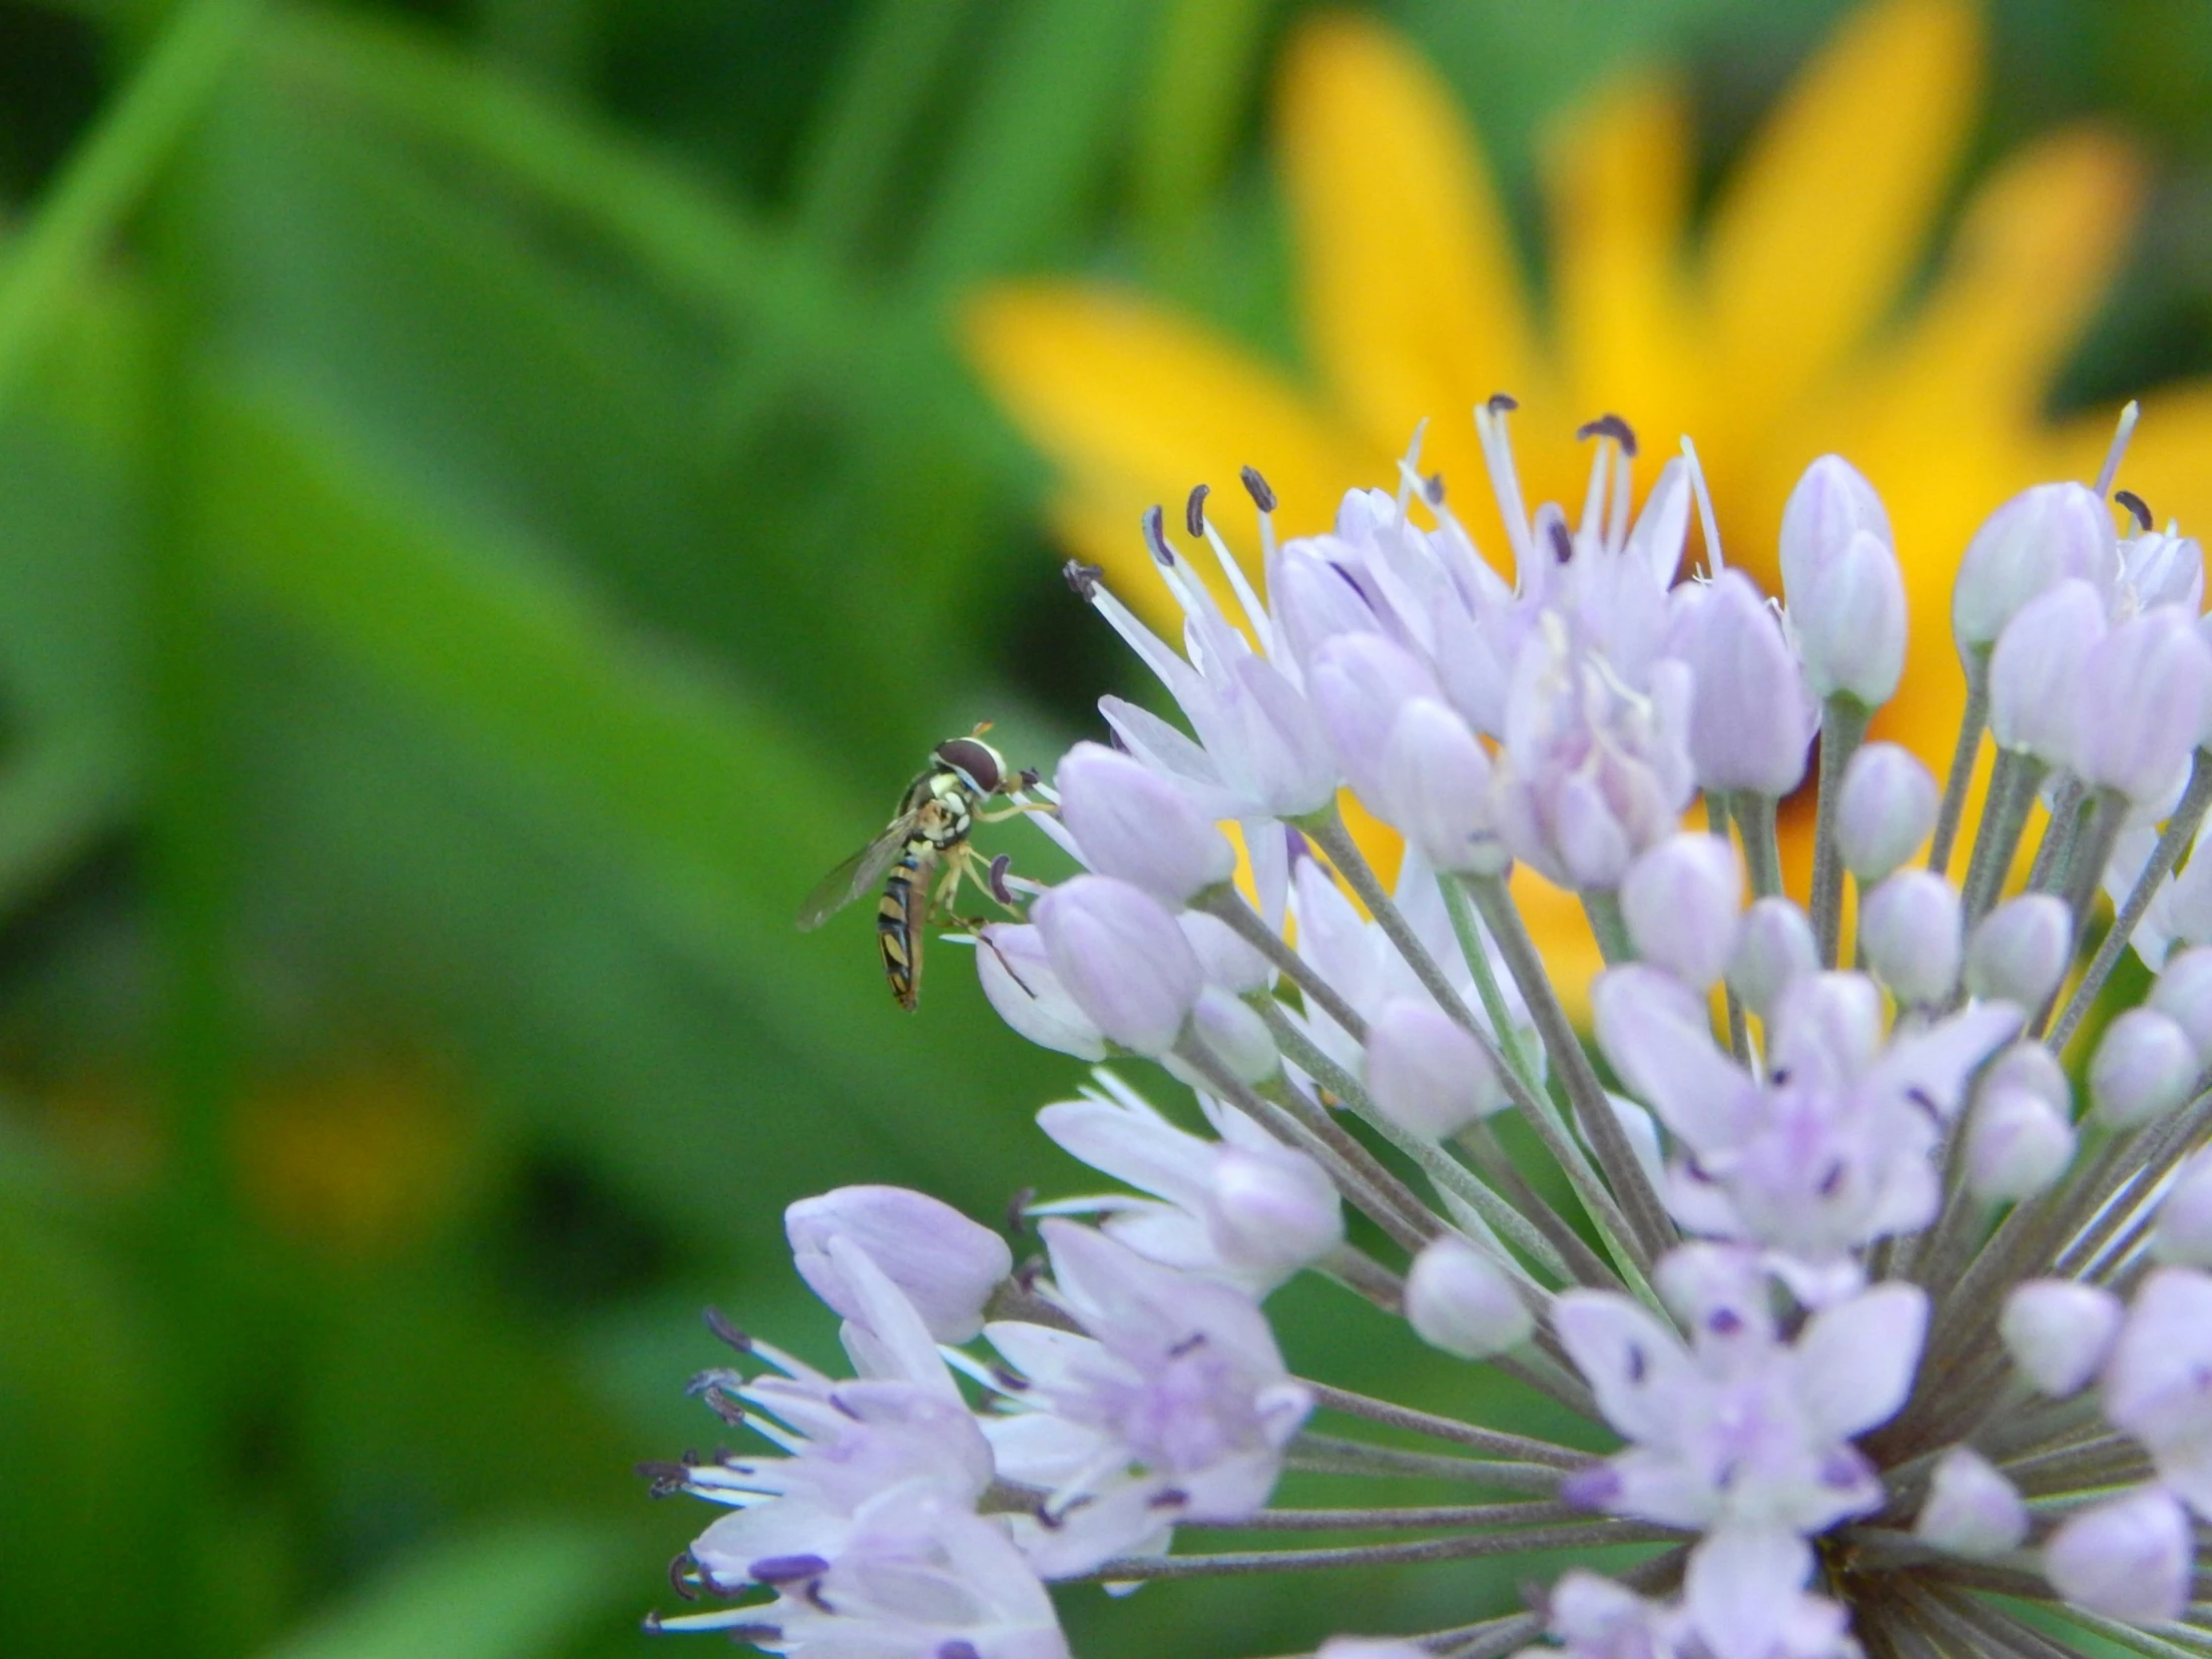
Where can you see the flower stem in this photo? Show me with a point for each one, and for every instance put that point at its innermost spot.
(1753, 814)
(1524, 1513)
(1225, 903)
(1449, 1173)
(1522, 1449)
(1603, 906)
(1843, 730)
(1468, 930)
(1328, 1455)
(2049, 868)
(1467, 1546)
(1739, 1033)
(1962, 758)
(1491, 1158)
(2012, 785)
(2181, 830)
(1651, 1231)
(2092, 851)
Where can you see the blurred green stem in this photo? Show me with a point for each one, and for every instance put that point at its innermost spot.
(854, 142)
(1198, 91)
(110, 171)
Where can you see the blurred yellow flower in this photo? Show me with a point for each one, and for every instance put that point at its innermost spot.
(1795, 325)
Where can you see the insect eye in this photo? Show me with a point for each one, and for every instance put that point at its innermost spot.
(974, 761)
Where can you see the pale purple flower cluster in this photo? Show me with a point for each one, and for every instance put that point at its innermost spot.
(1888, 1259)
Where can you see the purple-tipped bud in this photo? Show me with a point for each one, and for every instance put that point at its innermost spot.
(2183, 1235)
(1970, 1508)
(1140, 827)
(946, 1264)
(1235, 1035)
(1358, 684)
(2018, 951)
(1888, 808)
(1909, 928)
(1269, 1208)
(1426, 1074)
(1851, 623)
(2141, 703)
(2127, 1558)
(1751, 718)
(2035, 672)
(1122, 958)
(1011, 965)
(1683, 902)
(1774, 948)
(1435, 787)
(2017, 1145)
(2144, 1067)
(1223, 957)
(2183, 992)
(2165, 570)
(1458, 1300)
(2039, 538)
(2059, 1331)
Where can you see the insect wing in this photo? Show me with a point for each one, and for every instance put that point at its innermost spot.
(859, 874)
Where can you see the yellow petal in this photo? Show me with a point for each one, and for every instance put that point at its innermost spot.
(1617, 184)
(1825, 218)
(1135, 405)
(1414, 303)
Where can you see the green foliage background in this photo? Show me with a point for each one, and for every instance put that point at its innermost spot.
(489, 509)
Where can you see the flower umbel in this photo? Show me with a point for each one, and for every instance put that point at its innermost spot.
(1891, 1337)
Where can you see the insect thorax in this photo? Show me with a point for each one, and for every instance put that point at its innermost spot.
(945, 810)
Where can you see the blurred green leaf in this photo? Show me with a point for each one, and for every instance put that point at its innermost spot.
(1037, 138)
(513, 1593)
(111, 170)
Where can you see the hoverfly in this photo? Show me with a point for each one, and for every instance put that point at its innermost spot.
(935, 817)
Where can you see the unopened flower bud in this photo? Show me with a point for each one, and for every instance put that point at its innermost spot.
(2033, 1067)
(1425, 1072)
(947, 1265)
(1751, 718)
(2035, 672)
(2127, 1558)
(1133, 823)
(1840, 578)
(1435, 787)
(2059, 1331)
(1774, 946)
(2183, 1235)
(2141, 703)
(1830, 503)
(1888, 808)
(2018, 1144)
(2165, 570)
(1277, 1207)
(1970, 1508)
(1223, 956)
(2036, 540)
(1011, 966)
(2183, 992)
(1851, 623)
(2143, 1068)
(1909, 927)
(2018, 952)
(1682, 901)
(1122, 958)
(1358, 684)
(1458, 1300)
(1235, 1035)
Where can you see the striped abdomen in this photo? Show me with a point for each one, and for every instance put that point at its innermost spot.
(898, 919)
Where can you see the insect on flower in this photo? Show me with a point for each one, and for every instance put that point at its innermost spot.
(931, 828)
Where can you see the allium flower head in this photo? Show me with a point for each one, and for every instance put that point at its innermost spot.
(1883, 1336)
